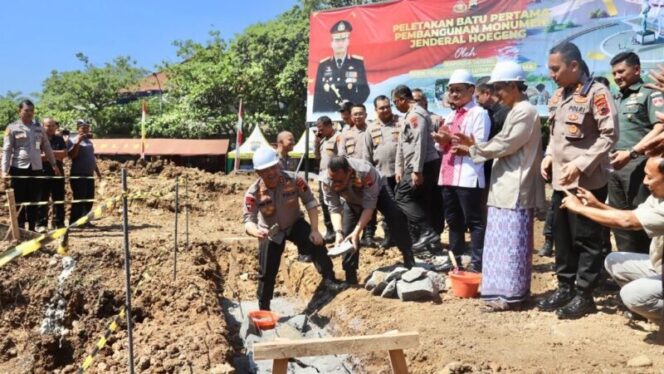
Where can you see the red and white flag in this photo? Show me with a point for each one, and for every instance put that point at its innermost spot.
(238, 137)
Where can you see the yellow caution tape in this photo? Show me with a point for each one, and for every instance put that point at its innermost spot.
(112, 327)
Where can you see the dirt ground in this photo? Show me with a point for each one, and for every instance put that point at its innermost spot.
(180, 323)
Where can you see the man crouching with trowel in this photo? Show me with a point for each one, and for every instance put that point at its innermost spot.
(272, 214)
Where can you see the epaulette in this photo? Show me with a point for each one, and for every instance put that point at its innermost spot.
(325, 59)
(586, 87)
(357, 57)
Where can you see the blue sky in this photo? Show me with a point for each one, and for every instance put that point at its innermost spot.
(40, 36)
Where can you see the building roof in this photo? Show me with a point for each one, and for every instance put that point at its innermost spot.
(153, 83)
(162, 147)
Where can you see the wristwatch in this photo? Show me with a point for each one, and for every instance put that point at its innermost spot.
(633, 154)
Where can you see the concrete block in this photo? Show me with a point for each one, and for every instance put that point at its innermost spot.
(413, 274)
(376, 278)
(421, 289)
(396, 274)
(390, 290)
(438, 281)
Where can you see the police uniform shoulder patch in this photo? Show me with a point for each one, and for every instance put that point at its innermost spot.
(301, 184)
(358, 57)
(413, 121)
(249, 202)
(325, 59)
(601, 105)
(368, 180)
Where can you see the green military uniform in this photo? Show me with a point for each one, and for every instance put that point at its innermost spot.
(637, 106)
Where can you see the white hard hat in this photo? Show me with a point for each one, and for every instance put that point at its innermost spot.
(264, 157)
(507, 71)
(461, 76)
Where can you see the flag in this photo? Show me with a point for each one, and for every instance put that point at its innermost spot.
(144, 116)
(238, 138)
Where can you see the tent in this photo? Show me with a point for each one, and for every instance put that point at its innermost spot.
(298, 149)
(253, 142)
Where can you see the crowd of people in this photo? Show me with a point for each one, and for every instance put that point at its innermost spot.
(33, 156)
(482, 170)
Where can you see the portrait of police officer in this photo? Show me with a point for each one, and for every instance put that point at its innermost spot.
(272, 214)
(341, 76)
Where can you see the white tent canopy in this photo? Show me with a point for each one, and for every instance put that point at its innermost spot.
(250, 145)
(298, 149)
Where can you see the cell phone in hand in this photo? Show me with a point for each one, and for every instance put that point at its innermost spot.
(274, 230)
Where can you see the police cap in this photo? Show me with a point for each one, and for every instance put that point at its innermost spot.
(341, 29)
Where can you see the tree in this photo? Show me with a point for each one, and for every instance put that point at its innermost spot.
(9, 108)
(92, 93)
(265, 67)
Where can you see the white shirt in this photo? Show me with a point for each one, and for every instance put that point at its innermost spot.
(466, 172)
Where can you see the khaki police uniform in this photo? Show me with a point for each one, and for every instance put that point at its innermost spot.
(637, 106)
(21, 156)
(584, 128)
(416, 153)
(352, 143)
(281, 206)
(326, 149)
(380, 145)
(365, 190)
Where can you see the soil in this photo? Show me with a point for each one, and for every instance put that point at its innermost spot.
(179, 324)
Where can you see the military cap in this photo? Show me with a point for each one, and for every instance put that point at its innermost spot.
(341, 29)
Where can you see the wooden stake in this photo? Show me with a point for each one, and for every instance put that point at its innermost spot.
(280, 366)
(13, 215)
(398, 361)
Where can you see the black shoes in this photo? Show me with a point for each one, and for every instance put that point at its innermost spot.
(427, 239)
(333, 285)
(367, 241)
(580, 306)
(561, 297)
(329, 237)
(304, 258)
(547, 249)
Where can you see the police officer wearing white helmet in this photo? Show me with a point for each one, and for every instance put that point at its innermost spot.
(272, 214)
(515, 191)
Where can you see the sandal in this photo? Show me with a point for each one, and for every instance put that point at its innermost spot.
(499, 306)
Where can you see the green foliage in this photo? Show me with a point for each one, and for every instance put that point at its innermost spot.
(92, 93)
(9, 108)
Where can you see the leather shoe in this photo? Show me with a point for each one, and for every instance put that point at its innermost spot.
(577, 308)
(334, 285)
(329, 237)
(561, 297)
(547, 248)
(304, 258)
(426, 239)
(367, 241)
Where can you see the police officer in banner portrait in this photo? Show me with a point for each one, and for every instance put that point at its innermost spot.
(341, 76)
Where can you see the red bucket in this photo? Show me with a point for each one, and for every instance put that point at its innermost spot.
(264, 319)
(465, 284)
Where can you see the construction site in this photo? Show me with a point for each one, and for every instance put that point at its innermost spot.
(188, 319)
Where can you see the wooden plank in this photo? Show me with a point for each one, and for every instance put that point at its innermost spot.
(398, 361)
(13, 215)
(332, 346)
(280, 366)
